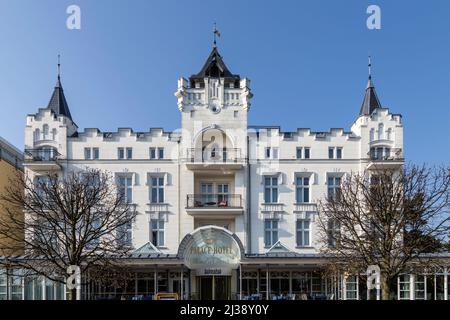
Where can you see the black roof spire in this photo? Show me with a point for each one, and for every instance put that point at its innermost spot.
(371, 101)
(58, 101)
(214, 67)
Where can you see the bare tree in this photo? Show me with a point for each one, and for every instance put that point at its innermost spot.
(78, 219)
(390, 218)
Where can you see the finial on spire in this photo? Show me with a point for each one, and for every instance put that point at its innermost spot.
(370, 67)
(59, 66)
(216, 34)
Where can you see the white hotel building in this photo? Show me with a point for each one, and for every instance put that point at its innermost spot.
(225, 209)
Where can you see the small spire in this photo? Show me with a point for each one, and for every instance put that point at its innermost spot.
(59, 66)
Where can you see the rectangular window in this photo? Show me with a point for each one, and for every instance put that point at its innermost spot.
(157, 190)
(333, 230)
(299, 153)
(270, 189)
(268, 153)
(302, 189)
(303, 233)
(3, 285)
(351, 288)
(125, 233)
(275, 153)
(419, 287)
(404, 287)
(339, 153)
(223, 190)
(307, 153)
(160, 153)
(334, 187)
(96, 153)
(129, 153)
(157, 229)
(87, 153)
(207, 194)
(120, 153)
(270, 232)
(331, 153)
(152, 153)
(126, 189)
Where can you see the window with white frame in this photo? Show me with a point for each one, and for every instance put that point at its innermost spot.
(335, 152)
(351, 288)
(45, 132)
(303, 153)
(271, 153)
(301, 189)
(156, 153)
(334, 186)
(404, 287)
(271, 189)
(157, 231)
(125, 186)
(157, 189)
(125, 232)
(419, 287)
(223, 191)
(95, 153)
(16, 284)
(330, 153)
(338, 153)
(333, 232)
(87, 153)
(3, 284)
(270, 232)
(129, 153)
(120, 153)
(307, 153)
(303, 232)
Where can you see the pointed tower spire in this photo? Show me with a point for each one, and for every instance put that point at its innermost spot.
(371, 101)
(58, 101)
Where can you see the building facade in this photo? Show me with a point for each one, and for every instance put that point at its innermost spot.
(11, 168)
(225, 210)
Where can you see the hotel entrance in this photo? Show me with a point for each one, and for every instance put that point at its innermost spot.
(214, 287)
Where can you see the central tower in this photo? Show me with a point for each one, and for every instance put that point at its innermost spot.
(214, 99)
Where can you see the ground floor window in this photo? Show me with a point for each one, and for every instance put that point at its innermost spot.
(351, 288)
(404, 287)
(419, 287)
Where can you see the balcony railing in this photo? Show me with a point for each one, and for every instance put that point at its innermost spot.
(385, 154)
(214, 155)
(42, 155)
(222, 201)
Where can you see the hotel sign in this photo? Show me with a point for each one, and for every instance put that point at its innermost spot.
(212, 251)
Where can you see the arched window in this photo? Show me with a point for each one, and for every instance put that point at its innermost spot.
(54, 135)
(37, 135)
(389, 134)
(45, 132)
(372, 134)
(380, 131)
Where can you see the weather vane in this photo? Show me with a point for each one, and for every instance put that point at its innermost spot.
(216, 34)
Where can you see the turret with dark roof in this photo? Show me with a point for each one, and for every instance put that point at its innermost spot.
(58, 103)
(214, 67)
(371, 101)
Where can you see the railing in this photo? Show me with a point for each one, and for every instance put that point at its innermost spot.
(385, 154)
(49, 154)
(214, 155)
(214, 201)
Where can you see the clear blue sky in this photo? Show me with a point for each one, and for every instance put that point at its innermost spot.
(307, 61)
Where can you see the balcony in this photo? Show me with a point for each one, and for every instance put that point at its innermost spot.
(385, 158)
(214, 158)
(44, 159)
(210, 204)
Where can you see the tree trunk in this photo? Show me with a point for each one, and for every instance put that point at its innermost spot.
(385, 288)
